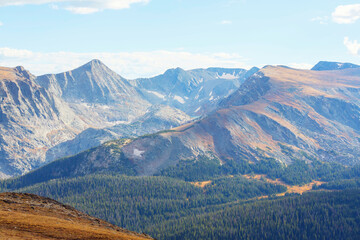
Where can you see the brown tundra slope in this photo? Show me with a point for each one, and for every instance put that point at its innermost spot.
(28, 216)
(279, 112)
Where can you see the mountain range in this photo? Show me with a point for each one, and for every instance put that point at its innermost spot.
(195, 92)
(277, 113)
(43, 118)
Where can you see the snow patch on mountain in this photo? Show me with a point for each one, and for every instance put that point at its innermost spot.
(137, 152)
(179, 99)
(228, 76)
(159, 95)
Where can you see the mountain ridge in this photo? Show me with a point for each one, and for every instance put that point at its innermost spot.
(196, 91)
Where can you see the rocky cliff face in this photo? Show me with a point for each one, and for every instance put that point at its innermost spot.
(31, 121)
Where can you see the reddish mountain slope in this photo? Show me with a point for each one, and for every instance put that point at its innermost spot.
(279, 112)
(28, 216)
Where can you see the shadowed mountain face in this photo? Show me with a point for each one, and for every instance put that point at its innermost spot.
(195, 92)
(279, 113)
(326, 66)
(28, 216)
(31, 121)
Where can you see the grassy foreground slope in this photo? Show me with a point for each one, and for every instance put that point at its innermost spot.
(28, 216)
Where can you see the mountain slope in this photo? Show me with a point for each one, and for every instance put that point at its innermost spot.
(157, 118)
(28, 216)
(31, 121)
(326, 66)
(279, 112)
(195, 92)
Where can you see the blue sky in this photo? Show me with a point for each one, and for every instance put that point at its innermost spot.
(139, 38)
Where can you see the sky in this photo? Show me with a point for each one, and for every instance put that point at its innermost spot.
(143, 38)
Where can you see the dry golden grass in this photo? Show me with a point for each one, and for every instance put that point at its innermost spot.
(26, 216)
(290, 76)
(290, 189)
(7, 73)
(201, 184)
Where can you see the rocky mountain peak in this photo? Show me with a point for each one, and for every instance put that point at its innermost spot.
(174, 71)
(92, 82)
(93, 65)
(21, 71)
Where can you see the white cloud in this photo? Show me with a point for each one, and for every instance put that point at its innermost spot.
(352, 46)
(82, 10)
(77, 6)
(226, 22)
(346, 14)
(14, 53)
(128, 64)
(321, 20)
(301, 65)
(1, 24)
